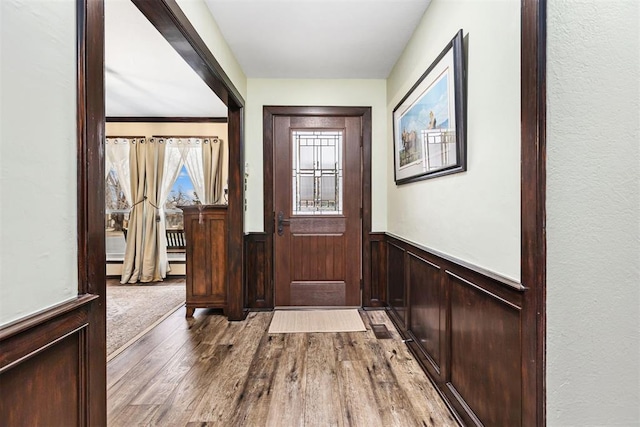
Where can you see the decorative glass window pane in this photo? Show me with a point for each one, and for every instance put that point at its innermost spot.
(317, 172)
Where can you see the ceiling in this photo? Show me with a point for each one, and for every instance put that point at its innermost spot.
(324, 39)
(145, 76)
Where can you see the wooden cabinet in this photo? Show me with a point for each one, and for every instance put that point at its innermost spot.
(206, 234)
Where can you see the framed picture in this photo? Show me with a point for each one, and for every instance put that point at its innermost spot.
(429, 123)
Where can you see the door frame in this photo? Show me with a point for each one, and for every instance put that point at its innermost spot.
(269, 113)
(169, 19)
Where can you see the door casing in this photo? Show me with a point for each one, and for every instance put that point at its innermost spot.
(169, 19)
(269, 112)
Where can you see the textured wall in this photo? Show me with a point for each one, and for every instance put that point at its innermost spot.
(474, 216)
(593, 213)
(350, 93)
(37, 163)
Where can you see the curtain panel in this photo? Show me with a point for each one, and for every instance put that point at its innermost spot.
(203, 159)
(147, 170)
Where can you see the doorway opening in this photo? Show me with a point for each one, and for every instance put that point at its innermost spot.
(175, 158)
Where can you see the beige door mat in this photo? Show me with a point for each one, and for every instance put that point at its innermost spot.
(304, 321)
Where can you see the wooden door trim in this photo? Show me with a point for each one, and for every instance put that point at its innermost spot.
(90, 205)
(269, 112)
(90, 169)
(533, 212)
(167, 17)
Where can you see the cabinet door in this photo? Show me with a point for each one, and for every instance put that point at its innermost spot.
(216, 249)
(206, 259)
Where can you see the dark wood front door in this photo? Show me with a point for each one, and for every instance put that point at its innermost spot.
(317, 204)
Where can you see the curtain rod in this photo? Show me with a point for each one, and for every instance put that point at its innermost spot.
(125, 137)
(185, 136)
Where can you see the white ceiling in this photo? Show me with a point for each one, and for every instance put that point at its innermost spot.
(317, 38)
(144, 76)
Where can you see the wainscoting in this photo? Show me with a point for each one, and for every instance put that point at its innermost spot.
(258, 274)
(44, 360)
(464, 327)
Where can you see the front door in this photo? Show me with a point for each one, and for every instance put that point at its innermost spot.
(317, 203)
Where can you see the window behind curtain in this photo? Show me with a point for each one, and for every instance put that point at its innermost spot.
(182, 194)
(116, 216)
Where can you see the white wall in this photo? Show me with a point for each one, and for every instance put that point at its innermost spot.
(351, 93)
(475, 215)
(593, 213)
(38, 229)
(200, 17)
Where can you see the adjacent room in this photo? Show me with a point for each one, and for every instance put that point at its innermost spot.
(154, 100)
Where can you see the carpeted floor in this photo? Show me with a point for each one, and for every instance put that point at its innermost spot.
(131, 309)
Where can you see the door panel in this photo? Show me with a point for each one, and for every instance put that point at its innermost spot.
(317, 201)
(328, 263)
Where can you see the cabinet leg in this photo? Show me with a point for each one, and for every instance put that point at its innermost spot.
(190, 311)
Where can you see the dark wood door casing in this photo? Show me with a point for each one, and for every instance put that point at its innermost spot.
(270, 113)
(317, 256)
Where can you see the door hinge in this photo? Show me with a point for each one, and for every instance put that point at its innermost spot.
(360, 213)
(361, 284)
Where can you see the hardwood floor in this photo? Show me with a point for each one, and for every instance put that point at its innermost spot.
(206, 371)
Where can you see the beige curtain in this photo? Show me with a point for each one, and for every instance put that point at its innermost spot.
(153, 170)
(212, 157)
(154, 161)
(132, 264)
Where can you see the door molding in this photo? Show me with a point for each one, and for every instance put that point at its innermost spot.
(167, 16)
(533, 258)
(90, 204)
(269, 112)
(169, 19)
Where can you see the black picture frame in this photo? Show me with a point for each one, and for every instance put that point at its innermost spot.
(429, 123)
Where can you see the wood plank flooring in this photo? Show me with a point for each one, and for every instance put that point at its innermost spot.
(206, 371)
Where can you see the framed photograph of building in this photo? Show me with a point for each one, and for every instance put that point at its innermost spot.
(429, 123)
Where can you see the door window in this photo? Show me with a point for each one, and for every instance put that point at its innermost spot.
(317, 172)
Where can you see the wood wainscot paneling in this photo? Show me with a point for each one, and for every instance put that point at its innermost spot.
(375, 294)
(396, 283)
(257, 276)
(44, 360)
(463, 324)
(428, 317)
(484, 381)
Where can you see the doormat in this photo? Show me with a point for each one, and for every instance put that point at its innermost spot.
(307, 321)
